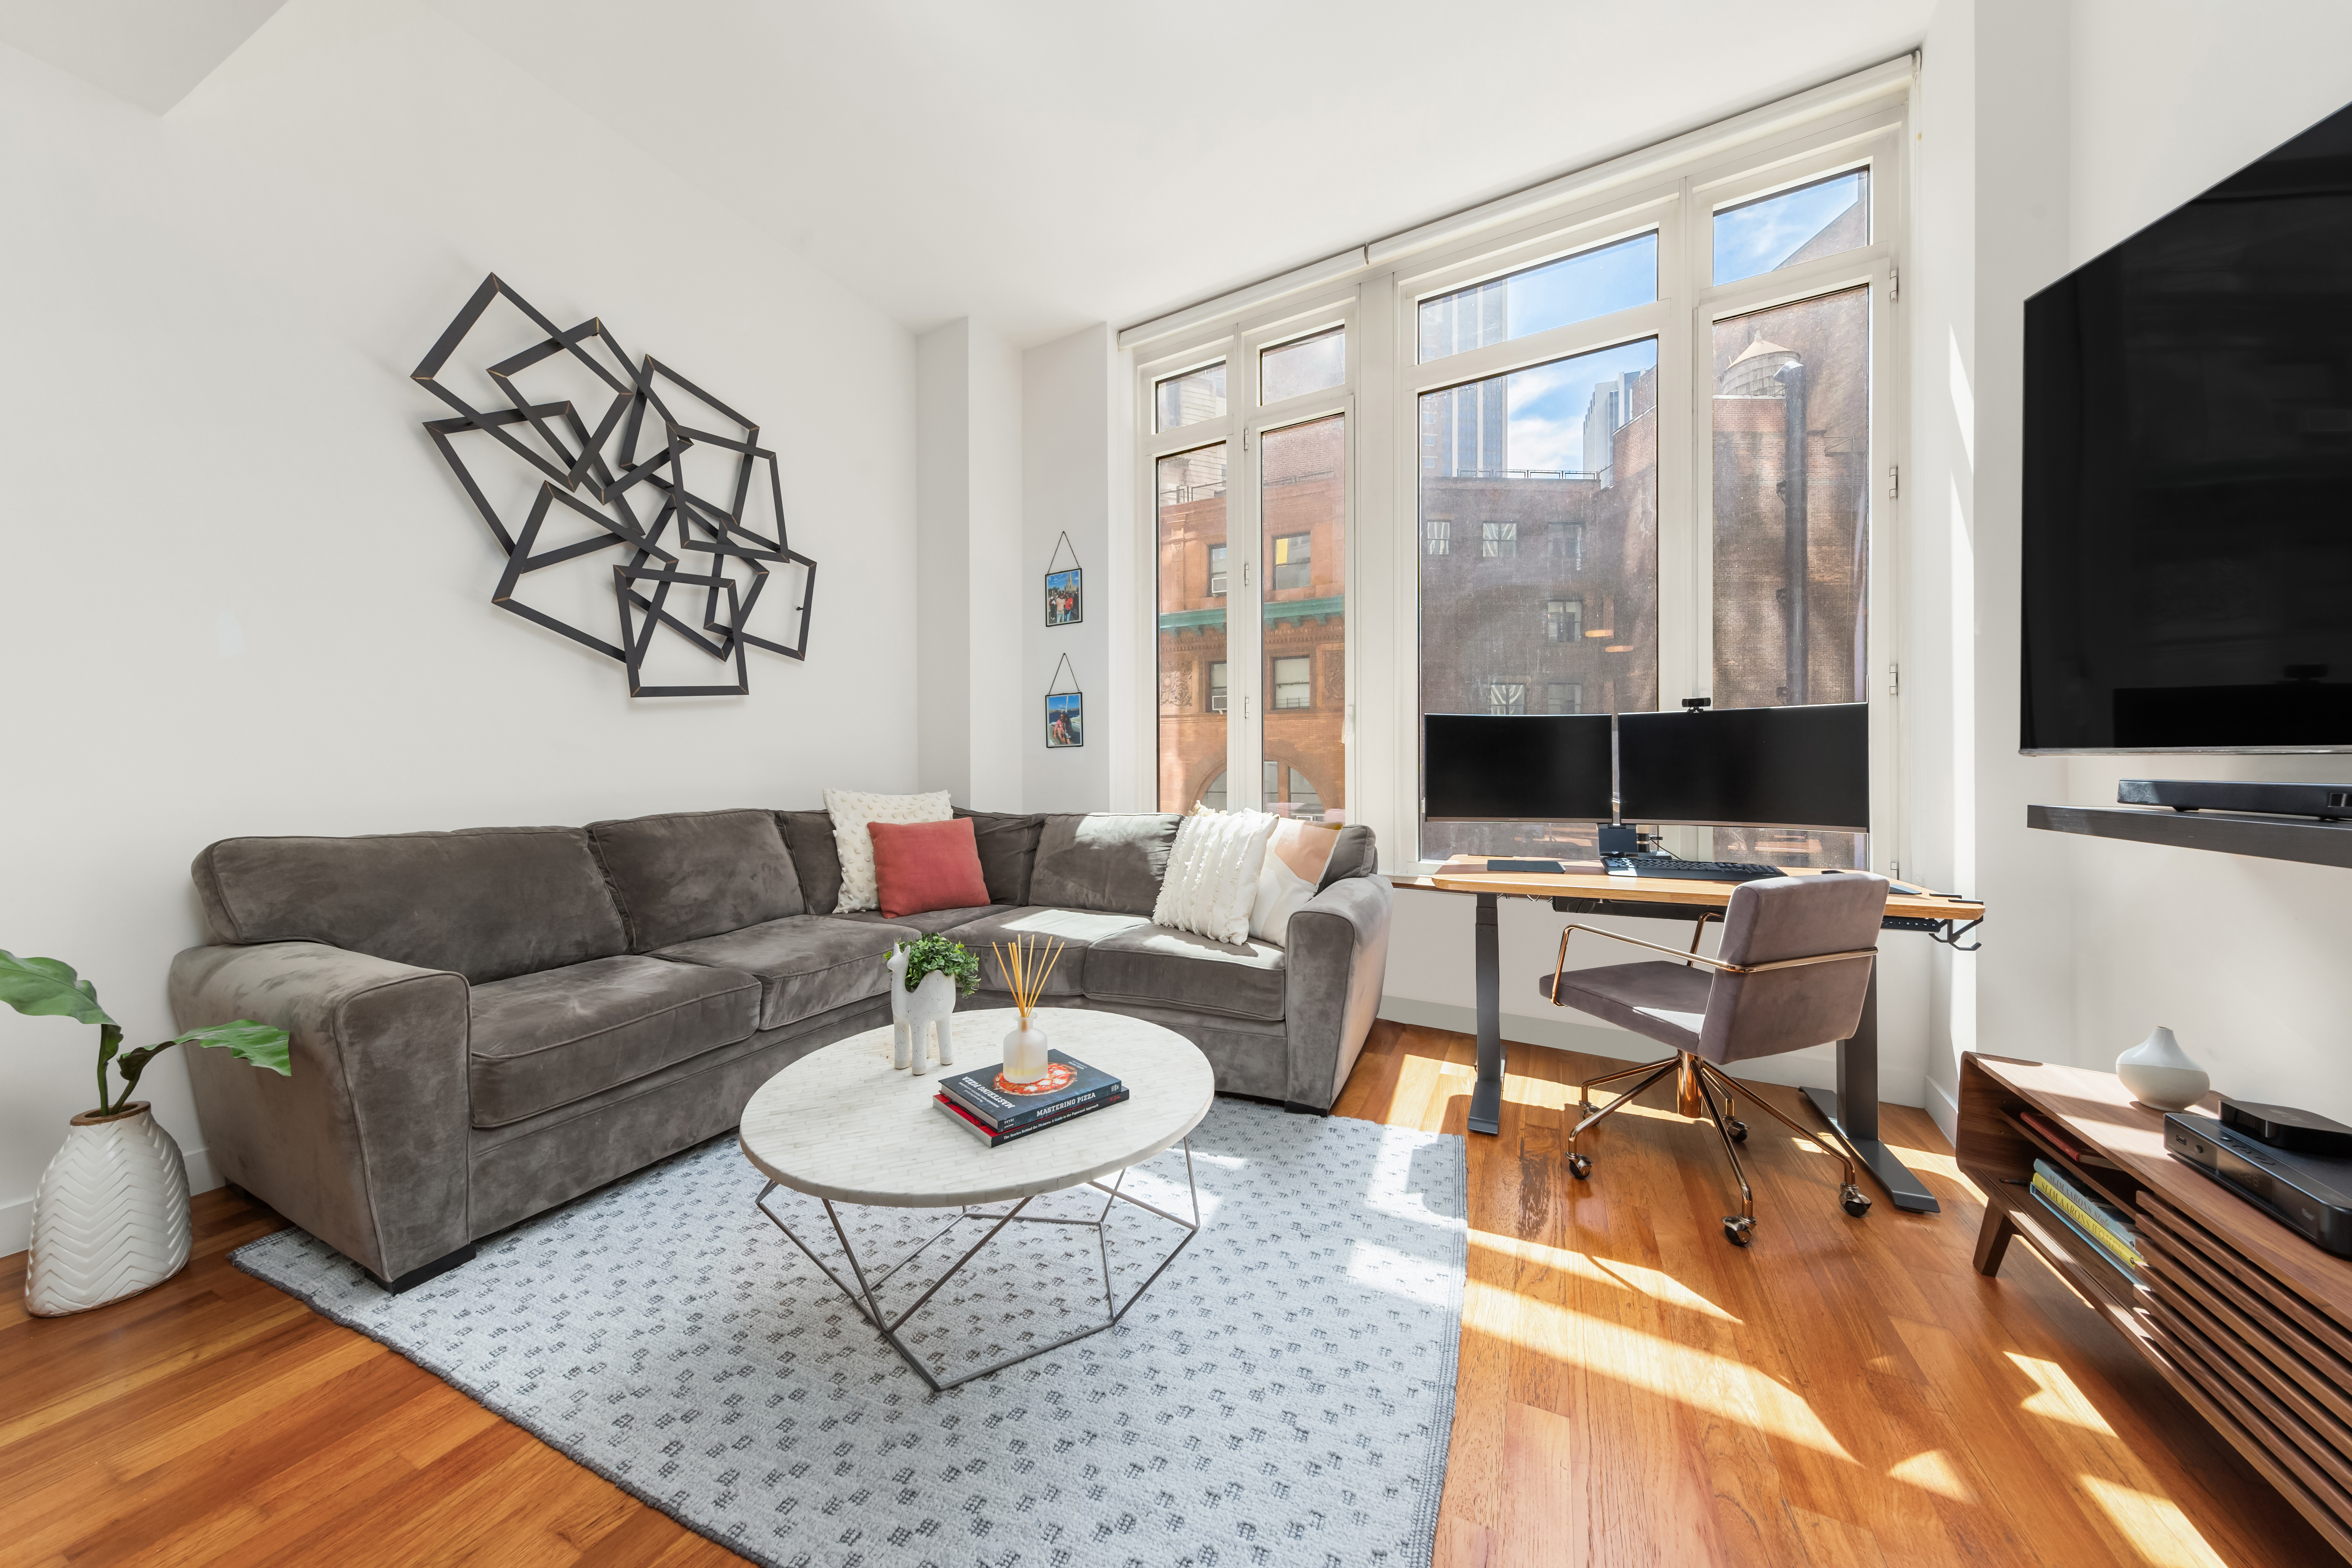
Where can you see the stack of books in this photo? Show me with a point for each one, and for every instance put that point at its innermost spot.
(2106, 1227)
(989, 1109)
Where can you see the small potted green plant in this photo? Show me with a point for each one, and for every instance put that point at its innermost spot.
(927, 975)
(110, 1216)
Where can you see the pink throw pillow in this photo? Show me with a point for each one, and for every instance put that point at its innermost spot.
(925, 865)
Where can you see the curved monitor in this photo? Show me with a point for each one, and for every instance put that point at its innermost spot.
(1804, 766)
(1516, 767)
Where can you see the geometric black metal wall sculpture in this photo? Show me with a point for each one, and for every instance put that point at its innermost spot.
(700, 543)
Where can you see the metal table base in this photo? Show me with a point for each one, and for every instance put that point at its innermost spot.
(869, 1307)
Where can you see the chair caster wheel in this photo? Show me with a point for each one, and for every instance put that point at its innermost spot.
(1739, 1130)
(1856, 1201)
(1739, 1229)
(1580, 1167)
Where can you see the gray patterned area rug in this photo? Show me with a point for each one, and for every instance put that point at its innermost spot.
(1281, 1395)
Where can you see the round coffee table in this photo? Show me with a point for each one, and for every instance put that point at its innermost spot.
(843, 1126)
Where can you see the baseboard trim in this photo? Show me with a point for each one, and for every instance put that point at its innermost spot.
(16, 1217)
(1945, 1111)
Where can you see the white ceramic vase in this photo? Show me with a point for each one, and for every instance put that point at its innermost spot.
(110, 1216)
(1025, 1060)
(2161, 1074)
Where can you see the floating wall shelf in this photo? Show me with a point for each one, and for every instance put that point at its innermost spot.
(2223, 832)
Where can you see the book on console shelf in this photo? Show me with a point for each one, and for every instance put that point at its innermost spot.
(2106, 1227)
(1069, 1085)
(993, 1137)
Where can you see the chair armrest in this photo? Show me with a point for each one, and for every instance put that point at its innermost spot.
(1338, 943)
(367, 1145)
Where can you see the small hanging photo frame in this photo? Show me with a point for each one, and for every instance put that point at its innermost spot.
(1065, 589)
(1066, 711)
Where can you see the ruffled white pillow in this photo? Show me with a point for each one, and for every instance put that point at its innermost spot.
(1212, 874)
(852, 810)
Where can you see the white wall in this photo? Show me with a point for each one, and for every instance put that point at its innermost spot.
(2237, 955)
(250, 599)
(1066, 486)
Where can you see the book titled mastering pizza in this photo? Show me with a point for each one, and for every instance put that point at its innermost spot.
(993, 1137)
(1069, 1085)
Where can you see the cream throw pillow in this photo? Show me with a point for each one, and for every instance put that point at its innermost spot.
(1212, 872)
(852, 810)
(1296, 855)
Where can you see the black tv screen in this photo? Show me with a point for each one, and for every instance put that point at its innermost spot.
(1516, 767)
(2188, 500)
(1805, 766)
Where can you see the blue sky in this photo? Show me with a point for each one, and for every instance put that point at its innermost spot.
(1545, 404)
(1760, 236)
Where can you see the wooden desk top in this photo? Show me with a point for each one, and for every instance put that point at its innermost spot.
(1468, 874)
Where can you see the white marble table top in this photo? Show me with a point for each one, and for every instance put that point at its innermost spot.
(842, 1123)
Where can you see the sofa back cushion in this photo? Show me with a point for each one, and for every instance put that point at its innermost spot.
(1112, 861)
(1357, 853)
(1008, 851)
(697, 873)
(817, 859)
(486, 903)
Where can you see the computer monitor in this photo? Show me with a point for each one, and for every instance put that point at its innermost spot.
(1805, 766)
(1516, 767)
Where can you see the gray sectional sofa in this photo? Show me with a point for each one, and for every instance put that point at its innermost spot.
(489, 1023)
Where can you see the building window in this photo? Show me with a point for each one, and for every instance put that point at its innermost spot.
(1498, 539)
(1294, 564)
(1437, 535)
(1217, 687)
(1216, 571)
(1563, 620)
(1564, 697)
(1294, 682)
(1507, 696)
(1564, 543)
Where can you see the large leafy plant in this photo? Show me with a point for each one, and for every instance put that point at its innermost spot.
(936, 954)
(45, 988)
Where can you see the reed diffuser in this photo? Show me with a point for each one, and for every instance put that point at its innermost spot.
(1025, 968)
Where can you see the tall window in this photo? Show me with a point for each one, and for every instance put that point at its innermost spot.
(1191, 517)
(1624, 443)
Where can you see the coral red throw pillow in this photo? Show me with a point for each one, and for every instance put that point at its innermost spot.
(924, 865)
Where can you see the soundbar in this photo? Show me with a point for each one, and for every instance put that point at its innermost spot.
(2308, 1191)
(2327, 801)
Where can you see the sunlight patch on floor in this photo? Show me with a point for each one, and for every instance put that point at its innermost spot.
(1681, 1373)
(1651, 1282)
(1934, 1471)
(2155, 1528)
(2055, 1397)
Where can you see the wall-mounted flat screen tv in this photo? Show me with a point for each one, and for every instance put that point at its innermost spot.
(2188, 504)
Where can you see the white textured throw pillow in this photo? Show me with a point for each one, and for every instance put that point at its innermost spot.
(852, 810)
(1212, 872)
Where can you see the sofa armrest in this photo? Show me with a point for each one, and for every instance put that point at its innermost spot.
(367, 1145)
(1339, 957)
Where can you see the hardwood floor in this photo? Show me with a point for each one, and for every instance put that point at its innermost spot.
(1632, 1390)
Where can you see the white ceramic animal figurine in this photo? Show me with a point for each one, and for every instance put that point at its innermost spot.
(921, 1018)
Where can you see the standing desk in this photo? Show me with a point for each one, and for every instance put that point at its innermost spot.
(1852, 1111)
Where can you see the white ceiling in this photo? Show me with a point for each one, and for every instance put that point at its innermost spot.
(1043, 164)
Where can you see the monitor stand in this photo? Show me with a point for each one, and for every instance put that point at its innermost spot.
(1852, 1110)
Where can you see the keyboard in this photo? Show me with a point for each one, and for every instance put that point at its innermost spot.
(1690, 871)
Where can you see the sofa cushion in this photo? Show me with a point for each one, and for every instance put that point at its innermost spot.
(809, 836)
(486, 903)
(1075, 928)
(1103, 861)
(929, 919)
(697, 873)
(807, 964)
(1178, 969)
(1008, 851)
(922, 866)
(544, 1040)
(1357, 853)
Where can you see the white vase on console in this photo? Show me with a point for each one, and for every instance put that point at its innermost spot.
(2161, 1074)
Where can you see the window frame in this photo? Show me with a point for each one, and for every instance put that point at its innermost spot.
(1377, 302)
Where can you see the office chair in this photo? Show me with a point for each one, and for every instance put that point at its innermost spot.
(1792, 971)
